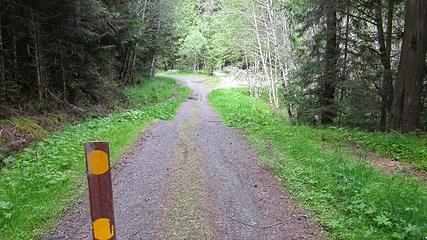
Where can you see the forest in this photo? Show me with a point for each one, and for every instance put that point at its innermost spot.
(321, 56)
(317, 76)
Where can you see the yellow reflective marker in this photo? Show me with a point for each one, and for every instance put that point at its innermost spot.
(102, 229)
(98, 162)
(97, 156)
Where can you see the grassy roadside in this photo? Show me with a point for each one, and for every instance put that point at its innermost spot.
(409, 148)
(350, 199)
(40, 183)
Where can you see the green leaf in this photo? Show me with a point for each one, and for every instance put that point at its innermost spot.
(5, 205)
(383, 220)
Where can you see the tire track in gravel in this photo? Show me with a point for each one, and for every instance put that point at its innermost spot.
(194, 178)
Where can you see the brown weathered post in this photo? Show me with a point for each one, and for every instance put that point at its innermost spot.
(97, 155)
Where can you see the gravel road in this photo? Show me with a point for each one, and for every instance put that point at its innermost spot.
(194, 178)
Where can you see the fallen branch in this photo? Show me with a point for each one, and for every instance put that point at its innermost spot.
(73, 108)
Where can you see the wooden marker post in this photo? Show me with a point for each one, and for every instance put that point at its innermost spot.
(97, 155)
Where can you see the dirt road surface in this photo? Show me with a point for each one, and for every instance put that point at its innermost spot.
(194, 178)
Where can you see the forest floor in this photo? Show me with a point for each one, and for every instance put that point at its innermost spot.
(194, 178)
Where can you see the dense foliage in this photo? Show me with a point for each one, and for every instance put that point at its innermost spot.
(322, 56)
(67, 53)
(348, 63)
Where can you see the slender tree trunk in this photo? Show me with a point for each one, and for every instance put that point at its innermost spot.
(133, 67)
(14, 51)
(78, 12)
(64, 78)
(37, 58)
(152, 67)
(284, 66)
(2, 69)
(384, 41)
(261, 53)
(406, 108)
(328, 84)
(15, 54)
(123, 70)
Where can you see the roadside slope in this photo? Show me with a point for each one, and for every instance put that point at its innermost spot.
(351, 199)
(40, 183)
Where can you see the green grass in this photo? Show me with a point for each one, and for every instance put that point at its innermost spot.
(158, 89)
(28, 125)
(210, 80)
(29, 129)
(213, 81)
(410, 148)
(349, 198)
(183, 73)
(40, 183)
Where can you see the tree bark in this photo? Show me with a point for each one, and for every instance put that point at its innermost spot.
(37, 58)
(152, 65)
(132, 72)
(2, 69)
(384, 41)
(124, 67)
(406, 106)
(328, 83)
(64, 78)
(261, 53)
(14, 52)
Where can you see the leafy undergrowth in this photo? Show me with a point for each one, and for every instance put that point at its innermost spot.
(410, 148)
(150, 91)
(351, 199)
(19, 132)
(40, 183)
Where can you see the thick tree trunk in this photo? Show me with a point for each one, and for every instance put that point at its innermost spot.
(2, 69)
(384, 41)
(406, 106)
(328, 84)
